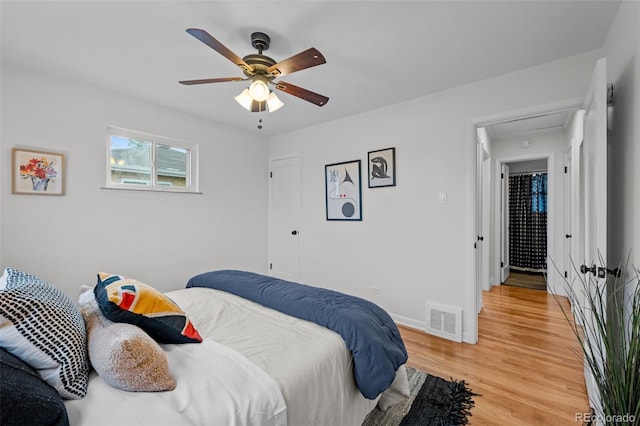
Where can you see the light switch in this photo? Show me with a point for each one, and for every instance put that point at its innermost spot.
(442, 197)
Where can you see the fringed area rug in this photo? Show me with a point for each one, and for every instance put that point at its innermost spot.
(433, 401)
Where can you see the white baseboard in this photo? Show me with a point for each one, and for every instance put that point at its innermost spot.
(409, 322)
(421, 325)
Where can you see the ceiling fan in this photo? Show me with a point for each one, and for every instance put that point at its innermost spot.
(261, 70)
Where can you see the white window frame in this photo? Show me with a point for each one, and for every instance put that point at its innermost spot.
(192, 181)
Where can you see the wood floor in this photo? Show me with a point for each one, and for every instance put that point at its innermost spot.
(524, 365)
(528, 280)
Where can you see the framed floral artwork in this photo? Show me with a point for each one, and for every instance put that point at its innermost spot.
(37, 172)
(343, 191)
(382, 168)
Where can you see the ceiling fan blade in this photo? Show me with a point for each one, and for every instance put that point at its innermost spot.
(210, 41)
(210, 80)
(307, 59)
(301, 93)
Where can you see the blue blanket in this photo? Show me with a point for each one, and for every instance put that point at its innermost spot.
(368, 331)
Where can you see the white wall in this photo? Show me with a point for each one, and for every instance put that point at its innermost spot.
(159, 238)
(410, 246)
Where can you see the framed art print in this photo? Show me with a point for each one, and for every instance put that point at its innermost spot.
(343, 191)
(37, 172)
(382, 168)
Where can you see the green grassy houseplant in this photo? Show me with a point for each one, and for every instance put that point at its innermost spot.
(606, 323)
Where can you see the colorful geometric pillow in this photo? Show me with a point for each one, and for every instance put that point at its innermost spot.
(40, 325)
(123, 299)
(123, 354)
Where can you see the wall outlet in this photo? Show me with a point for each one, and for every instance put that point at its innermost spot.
(375, 290)
(442, 197)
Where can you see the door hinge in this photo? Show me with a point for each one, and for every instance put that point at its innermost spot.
(271, 266)
(501, 175)
(566, 274)
(611, 97)
(270, 174)
(565, 170)
(502, 264)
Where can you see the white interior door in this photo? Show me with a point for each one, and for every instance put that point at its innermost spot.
(479, 222)
(504, 232)
(568, 222)
(486, 222)
(594, 173)
(284, 218)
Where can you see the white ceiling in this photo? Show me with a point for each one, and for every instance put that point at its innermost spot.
(378, 52)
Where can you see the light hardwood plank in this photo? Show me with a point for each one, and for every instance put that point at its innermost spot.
(525, 365)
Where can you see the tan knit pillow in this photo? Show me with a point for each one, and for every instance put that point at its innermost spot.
(123, 354)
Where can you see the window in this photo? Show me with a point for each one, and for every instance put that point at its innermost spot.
(146, 162)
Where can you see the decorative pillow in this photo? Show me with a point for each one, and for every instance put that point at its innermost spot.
(123, 299)
(40, 325)
(25, 399)
(123, 354)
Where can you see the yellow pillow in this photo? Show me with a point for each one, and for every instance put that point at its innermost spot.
(123, 299)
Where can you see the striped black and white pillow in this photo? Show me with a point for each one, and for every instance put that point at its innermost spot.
(40, 325)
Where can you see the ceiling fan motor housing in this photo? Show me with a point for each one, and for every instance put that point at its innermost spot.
(260, 41)
(259, 62)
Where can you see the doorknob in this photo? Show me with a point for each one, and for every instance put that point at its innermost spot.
(584, 269)
(567, 235)
(615, 272)
(294, 232)
(602, 272)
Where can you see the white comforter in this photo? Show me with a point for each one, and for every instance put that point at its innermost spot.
(215, 386)
(311, 364)
(256, 366)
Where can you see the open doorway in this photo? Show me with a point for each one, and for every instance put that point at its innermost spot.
(525, 127)
(524, 216)
(542, 132)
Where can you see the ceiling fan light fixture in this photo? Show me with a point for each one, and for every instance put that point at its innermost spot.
(244, 99)
(258, 90)
(274, 103)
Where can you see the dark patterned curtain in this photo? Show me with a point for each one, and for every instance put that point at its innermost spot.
(528, 222)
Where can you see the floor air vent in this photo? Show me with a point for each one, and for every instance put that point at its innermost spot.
(444, 322)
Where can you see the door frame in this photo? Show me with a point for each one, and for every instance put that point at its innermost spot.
(502, 230)
(473, 290)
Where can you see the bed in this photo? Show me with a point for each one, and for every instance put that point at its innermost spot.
(255, 366)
